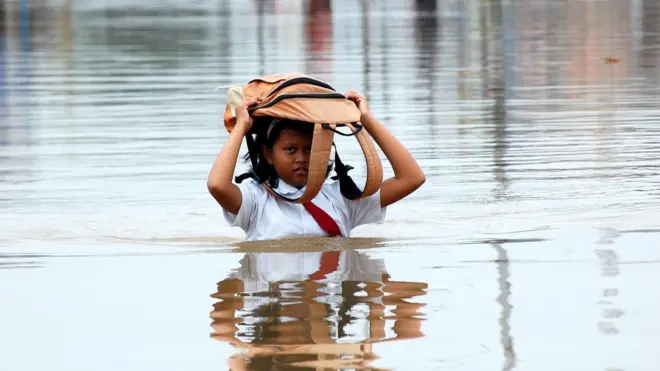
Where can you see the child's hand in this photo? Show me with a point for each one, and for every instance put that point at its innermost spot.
(243, 117)
(359, 100)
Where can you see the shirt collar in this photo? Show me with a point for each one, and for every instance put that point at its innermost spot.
(288, 190)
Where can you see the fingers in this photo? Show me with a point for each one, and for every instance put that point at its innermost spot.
(354, 96)
(248, 101)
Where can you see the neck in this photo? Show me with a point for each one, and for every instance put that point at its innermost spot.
(291, 185)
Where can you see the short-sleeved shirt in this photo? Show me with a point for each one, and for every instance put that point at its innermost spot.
(258, 271)
(263, 216)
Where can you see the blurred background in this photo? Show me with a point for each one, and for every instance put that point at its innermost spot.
(533, 244)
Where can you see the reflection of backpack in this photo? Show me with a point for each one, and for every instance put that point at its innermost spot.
(299, 97)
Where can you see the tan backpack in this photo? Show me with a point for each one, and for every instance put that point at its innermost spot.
(299, 97)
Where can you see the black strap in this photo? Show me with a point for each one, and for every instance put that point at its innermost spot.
(352, 133)
(242, 177)
(341, 169)
(347, 186)
(252, 149)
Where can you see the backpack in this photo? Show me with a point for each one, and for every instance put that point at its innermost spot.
(299, 97)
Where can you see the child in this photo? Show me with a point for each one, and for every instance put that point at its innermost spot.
(286, 149)
(294, 307)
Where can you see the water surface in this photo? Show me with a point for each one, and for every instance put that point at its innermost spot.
(533, 244)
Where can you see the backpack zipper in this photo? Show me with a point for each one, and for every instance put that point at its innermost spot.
(298, 95)
(300, 80)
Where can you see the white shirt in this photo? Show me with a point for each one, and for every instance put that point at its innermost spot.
(263, 216)
(258, 271)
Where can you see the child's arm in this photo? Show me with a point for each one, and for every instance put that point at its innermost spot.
(219, 182)
(408, 176)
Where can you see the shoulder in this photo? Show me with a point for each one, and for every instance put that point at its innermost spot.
(252, 186)
(249, 182)
(332, 190)
(331, 187)
(364, 210)
(252, 194)
(255, 192)
(253, 197)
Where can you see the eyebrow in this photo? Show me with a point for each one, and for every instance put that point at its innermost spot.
(293, 144)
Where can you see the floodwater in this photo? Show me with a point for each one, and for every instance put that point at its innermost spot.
(533, 245)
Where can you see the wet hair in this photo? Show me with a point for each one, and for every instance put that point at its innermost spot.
(266, 136)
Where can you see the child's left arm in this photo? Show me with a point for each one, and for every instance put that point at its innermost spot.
(408, 176)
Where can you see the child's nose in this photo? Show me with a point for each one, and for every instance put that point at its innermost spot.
(302, 156)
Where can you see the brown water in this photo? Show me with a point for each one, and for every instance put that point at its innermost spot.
(534, 244)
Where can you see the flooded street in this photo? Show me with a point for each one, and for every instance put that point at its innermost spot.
(533, 245)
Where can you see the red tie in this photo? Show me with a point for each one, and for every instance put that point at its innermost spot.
(329, 264)
(329, 259)
(324, 220)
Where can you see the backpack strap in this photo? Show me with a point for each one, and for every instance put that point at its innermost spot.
(318, 165)
(374, 165)
(348, 188)
(321, 149)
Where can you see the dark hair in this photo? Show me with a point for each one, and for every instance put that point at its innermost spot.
(264, 171)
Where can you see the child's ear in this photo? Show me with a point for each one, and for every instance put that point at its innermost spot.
(268, 154)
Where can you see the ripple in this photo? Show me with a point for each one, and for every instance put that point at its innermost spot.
(541, 161)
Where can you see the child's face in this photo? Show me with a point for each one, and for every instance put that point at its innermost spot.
(290, 156)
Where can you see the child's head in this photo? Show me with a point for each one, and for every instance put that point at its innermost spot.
(285, 149)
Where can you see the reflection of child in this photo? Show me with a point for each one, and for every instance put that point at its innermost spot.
(285, 151)
(259, 270)
(277, 314)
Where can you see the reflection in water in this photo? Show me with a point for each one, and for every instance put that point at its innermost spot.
(464, 62)
(16, 43)
(144, 42)
(554, 47)
(312, 310)
(123, 116)
(483, 48)
(496, 57)
(386, 54)
(318, 30)
(225, 46)
(428, 49)
(4, 115)
(366, 51)
(608, 36)
(610, 312)
(20, 261)
(650, 50)
(261, 49)
(498, 85)
(503, 299)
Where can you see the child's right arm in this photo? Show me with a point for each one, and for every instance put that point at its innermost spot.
(219, 182)
(408, 175)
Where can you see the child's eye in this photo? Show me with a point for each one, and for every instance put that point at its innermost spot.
(290, 149)
(308, 150)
